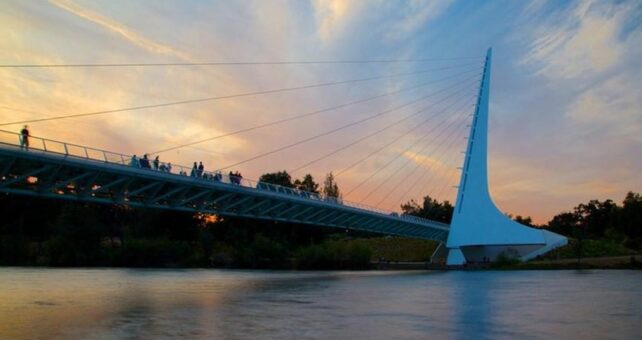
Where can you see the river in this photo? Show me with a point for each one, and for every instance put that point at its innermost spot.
(235, 304)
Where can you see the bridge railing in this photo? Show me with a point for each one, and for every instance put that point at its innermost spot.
(94, 154)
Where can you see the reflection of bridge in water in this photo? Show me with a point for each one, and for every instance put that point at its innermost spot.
(479, 231)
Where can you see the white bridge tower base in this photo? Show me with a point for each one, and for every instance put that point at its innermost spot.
(479, 231)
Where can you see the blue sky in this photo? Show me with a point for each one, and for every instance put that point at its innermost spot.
(566, 105)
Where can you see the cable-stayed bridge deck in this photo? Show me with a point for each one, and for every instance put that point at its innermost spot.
(55, 169)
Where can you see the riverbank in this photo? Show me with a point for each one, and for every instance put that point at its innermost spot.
(608, 262)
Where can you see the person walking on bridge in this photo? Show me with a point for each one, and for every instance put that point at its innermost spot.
(24, 138)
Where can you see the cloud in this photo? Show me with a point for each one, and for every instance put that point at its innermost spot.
(331, 16)
(584, 44)
(612, 107)
(430, 163)
(534, 6)
(565, 147)
(582, 109)
(120, 29)
(416, 14)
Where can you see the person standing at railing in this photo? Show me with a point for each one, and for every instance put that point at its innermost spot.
(144, 162)
(194, 172)
(24, 138)
(134, 163)
(156, 162)
(201, 169)
(235, 177)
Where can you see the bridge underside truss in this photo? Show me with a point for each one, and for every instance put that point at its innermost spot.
(57, 176)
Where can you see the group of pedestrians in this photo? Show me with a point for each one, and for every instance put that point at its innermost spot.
(235, 177)
(146, 163)
(216, 176)
(198, 169)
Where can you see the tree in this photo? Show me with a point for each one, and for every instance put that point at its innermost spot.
(331, 188)
(307, 184)
(564, 223)
(596, 217)
(631, 220)
(431, 209)
(281, 178)
(524, 220)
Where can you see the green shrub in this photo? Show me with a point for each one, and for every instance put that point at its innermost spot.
(504, 260)
(334, 254)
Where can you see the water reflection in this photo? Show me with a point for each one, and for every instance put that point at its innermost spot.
(113, 303)
(474, 308)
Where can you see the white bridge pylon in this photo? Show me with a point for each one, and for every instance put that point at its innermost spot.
(479, 231)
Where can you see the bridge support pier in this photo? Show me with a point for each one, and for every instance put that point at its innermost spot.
(455, 257)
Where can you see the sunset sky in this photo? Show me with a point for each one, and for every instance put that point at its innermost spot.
(566, 94)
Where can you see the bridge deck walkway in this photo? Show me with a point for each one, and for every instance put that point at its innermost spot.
(61, 170)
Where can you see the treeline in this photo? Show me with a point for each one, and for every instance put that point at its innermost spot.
(596, 228)
(603, 220)
(35, 231)
(46, 232)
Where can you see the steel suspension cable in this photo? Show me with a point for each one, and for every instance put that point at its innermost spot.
(238, 95)
(427, 171)
(452, 159)
(381, 130)
(418, 166)
(305, 140)
(444, 171)
(448, 183)
(308, 114)
(87, 124)
(441, 143)
(445, 183)
(395, 140)
(425, 136)
(236, 63)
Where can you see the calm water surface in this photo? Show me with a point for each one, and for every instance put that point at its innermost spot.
(222, 304)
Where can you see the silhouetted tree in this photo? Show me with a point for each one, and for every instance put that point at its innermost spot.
(596, 217)
(524, 220)
(430, 209)
(631, 220)
(307, 184)
(330, 187)
(281, 178)
(564, 223)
